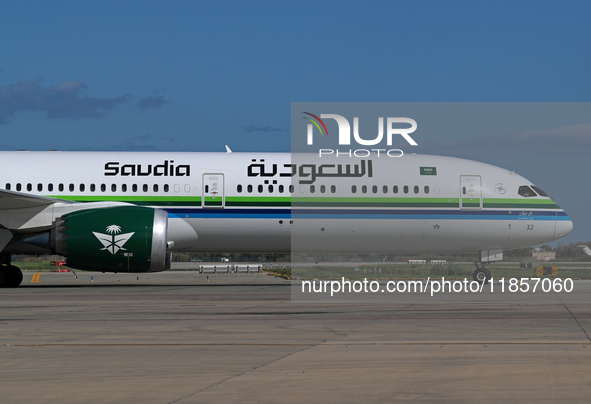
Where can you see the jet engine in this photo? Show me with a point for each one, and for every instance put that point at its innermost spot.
(115, 239)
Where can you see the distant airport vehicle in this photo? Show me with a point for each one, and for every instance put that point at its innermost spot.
(415, 261)
(126, 212)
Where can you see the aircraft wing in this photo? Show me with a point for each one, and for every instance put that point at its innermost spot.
(18, 200)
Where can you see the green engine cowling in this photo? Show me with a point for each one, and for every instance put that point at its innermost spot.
(116, 239)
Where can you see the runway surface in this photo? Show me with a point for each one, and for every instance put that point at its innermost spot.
(180, 337)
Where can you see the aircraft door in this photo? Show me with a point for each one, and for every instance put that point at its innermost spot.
(213, 191)
(470, 192)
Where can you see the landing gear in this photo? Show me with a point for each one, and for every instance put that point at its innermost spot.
(481, 274)
(10, 276)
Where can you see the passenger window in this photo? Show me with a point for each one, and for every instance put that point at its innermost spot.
(166, 188)
(134, 188)
(207, 189)
(322, 189)
(103, 187)
(249, 189)
(82, 187)
(405, 189)
(385, 189)
(92, 187)
(124, 188)
(50, 187)
(526, 191)
(145, 187)
(364, 189)
(291, 189)
(281, 189)
(353, 189)
(270, 188)
(539, 191)
(395, 189)
(416, 189)
(374, 189)
(155, 187)
(260, 189)
(18, 186)
(239, 189)
(312, 189)
(71, 187)
(61, 187)
(333, 189)
(7, 187)
(39, 187)
(29, 187)
(426, 189)
(113, 187)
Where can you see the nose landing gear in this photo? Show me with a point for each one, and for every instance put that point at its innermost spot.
(481, 274)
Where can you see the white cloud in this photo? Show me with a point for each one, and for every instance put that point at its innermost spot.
(65, 100)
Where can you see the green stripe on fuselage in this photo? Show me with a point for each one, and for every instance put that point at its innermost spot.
(258, 201)
(377, 202)
(265, 201)
(500, 203)
(137, 200)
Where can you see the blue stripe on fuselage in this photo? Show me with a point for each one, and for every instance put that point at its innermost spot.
(266, 213)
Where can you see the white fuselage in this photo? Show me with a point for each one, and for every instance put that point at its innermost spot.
(281, 202)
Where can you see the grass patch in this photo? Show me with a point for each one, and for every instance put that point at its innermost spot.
(41, 266)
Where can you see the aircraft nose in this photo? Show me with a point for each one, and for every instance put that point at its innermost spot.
(563, 227)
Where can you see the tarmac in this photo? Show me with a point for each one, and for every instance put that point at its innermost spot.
(182, 337)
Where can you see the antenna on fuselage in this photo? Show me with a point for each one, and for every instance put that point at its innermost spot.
(228, 149)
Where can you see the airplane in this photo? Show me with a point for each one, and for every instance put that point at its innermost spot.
(128, 211)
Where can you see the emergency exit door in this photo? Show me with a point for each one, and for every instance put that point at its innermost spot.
(213, 191)
(470, 192)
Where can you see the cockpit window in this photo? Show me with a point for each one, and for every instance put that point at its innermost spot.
(526, 191)
(539, 191)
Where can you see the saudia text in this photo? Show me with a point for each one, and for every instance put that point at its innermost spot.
(166, 169)
(308, 173)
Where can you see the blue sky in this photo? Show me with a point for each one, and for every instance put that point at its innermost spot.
(196, 75)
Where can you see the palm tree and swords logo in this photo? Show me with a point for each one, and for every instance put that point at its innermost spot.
(113, 241)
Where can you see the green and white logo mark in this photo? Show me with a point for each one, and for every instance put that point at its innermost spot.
(113, 241)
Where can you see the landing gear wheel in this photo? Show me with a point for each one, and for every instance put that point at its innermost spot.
(10, 276)
(16, 275)
(481, 275)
